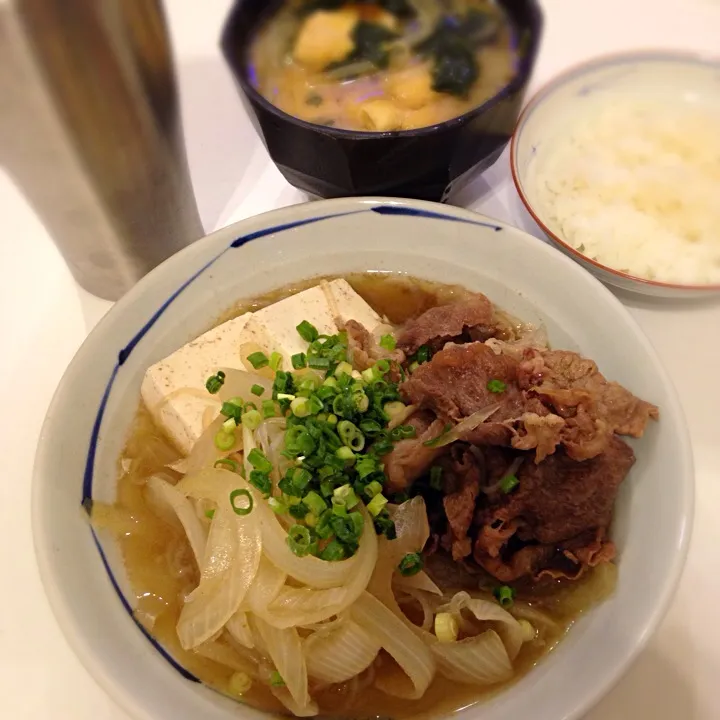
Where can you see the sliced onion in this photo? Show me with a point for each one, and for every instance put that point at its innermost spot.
(306, 606)
(407, 649)
(422, 599)
(284, 648)
(163, 493)
(229, 657)
(488, 611)
(308, 570)
(268, 583)
(230, 563)
(480, 660)
(465, 425)
(419, 581)
(204, 453)
(239, 628)
(340, 655)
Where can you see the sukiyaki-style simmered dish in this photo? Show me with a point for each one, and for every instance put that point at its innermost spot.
(382, 65)
(370, 496)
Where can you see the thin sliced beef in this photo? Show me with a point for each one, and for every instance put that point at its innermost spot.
(409, 458)
(556, 504)
(438, 325)
(454, 384)
(365, 351)
(569, 381)
(462, 485)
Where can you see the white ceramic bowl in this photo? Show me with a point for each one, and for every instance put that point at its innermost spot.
(575, 97)
(90, 415)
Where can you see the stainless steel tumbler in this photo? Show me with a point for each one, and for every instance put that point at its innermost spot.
(90, 131)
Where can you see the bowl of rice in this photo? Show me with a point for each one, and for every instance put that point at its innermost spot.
(618, 161)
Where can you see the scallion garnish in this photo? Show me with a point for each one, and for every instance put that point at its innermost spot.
(333, 552)
(411, 564)
(210, 514)
(436, 474)
(224, 440)
(258, 360)
(307, 331)
(276, 679)
(423, 354)
(509, 483)
(247, 505)
(227, 464)
(257, 390)
(299, 540)
(496, 386)
(388, 342)
(505, 595)
(260, 480)
(268, 408)
(377, 504)
(299, 361)
(215, 382)
(251, 419)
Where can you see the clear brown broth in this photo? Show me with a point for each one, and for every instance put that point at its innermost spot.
(160, 567)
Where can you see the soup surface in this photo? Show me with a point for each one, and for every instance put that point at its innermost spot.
(162, 569)
(382, 66)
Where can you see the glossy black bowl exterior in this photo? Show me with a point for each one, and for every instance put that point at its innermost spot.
(424, 163)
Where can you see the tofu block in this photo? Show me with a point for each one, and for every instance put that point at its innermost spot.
(174, 389)
(325, 37)
(181, 413)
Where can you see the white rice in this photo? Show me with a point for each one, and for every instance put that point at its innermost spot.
(637, 188)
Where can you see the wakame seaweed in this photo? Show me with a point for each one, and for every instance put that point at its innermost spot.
(453, 46)
(369, 40)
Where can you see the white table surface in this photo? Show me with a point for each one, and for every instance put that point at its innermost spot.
(44, 317)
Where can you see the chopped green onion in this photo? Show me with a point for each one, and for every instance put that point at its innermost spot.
(400, 498)
(318, 363)
(258, 360)
(232, 410)
(361, 400)
(411, 564)
(210, 514)
(229, 425)
(394, 409)
(257, 390)
(307, 331)
(276, 679)
(260, 480)
(330, 382)
(226, 463)
(505, 595)
(423, 354)
(366, 465)
(285, 396)
(314, 405)
(509, 483)
(245, 509)
(382, 366)
(388, 342)
(252, 419)
(496, 386)
(403, 431)
(268, 408)
(368, 375)
(384, 524)
(373, 489)
(257, 459)
(278, 507)
(413, 366)
(299, 540)
(316, 504)
(345, 453)
(224, 440)
(333, 552)
(377, 504)
(343, 368)
(350, 435)
(239, 683)
(215, 382)
(276, 361)
(436, 473)
(345, 495)
(298, 510)
(446, 627)
(299, 407)
(299, 361)
(332, 419)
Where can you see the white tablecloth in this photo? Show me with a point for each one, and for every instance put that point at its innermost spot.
(44, 317)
